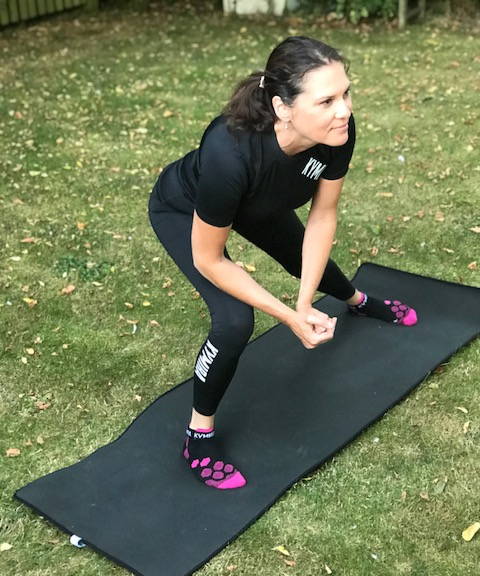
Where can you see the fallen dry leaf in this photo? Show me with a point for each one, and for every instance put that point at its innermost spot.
(470, 532)
(327, 569)
(68, 289)
(12, 452)
(472, 266)
(5, 547)
(475, 229)
(31, 302)
(282, 550)
(81, 225)
(462, 409)
(42, 405)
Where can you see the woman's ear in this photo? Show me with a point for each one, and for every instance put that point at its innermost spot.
(281, 109)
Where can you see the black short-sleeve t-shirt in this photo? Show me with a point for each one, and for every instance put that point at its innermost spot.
(241, 177)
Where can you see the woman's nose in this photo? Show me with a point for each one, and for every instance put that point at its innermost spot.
(342, 110)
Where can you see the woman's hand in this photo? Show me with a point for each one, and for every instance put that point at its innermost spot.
(311, 326)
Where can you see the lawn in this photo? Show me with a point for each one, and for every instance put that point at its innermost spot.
(94, 314)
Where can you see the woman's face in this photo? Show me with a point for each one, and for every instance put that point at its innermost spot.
(319, 114)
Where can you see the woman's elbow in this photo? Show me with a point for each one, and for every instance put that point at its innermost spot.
(204, 266)
(198, 264)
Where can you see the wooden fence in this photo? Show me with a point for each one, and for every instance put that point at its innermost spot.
(13, 11)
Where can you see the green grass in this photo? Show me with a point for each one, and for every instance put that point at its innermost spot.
(91, 108)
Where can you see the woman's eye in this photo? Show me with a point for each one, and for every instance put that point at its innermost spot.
(330, 100)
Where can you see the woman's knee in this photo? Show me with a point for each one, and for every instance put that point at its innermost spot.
(234, 326)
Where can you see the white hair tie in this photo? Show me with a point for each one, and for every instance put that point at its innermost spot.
(261, 84)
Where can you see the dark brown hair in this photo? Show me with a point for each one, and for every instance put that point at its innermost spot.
(250, 107)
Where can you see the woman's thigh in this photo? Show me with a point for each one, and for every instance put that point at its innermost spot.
(174, 230)
(281, 238)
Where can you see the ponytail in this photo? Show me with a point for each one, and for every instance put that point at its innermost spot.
(250, 107)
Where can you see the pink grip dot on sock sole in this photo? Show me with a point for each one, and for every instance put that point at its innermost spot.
(410, 318)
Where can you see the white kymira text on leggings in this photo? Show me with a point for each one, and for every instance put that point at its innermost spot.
(205, 359)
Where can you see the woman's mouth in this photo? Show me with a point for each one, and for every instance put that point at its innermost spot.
(342, 127)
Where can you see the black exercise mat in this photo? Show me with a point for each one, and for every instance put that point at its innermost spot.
(287, 411)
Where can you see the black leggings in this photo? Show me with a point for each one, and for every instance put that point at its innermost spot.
(231, 319)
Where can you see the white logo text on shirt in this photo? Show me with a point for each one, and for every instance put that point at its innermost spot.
(313, 169)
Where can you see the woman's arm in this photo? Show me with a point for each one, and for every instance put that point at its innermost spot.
(318, 239)
(208, 243)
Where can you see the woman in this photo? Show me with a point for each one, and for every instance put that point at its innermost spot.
(285, 137)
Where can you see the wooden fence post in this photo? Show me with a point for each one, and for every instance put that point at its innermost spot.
(404, 14)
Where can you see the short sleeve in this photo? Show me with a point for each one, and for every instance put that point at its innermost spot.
(223, 178)
(341, 155)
